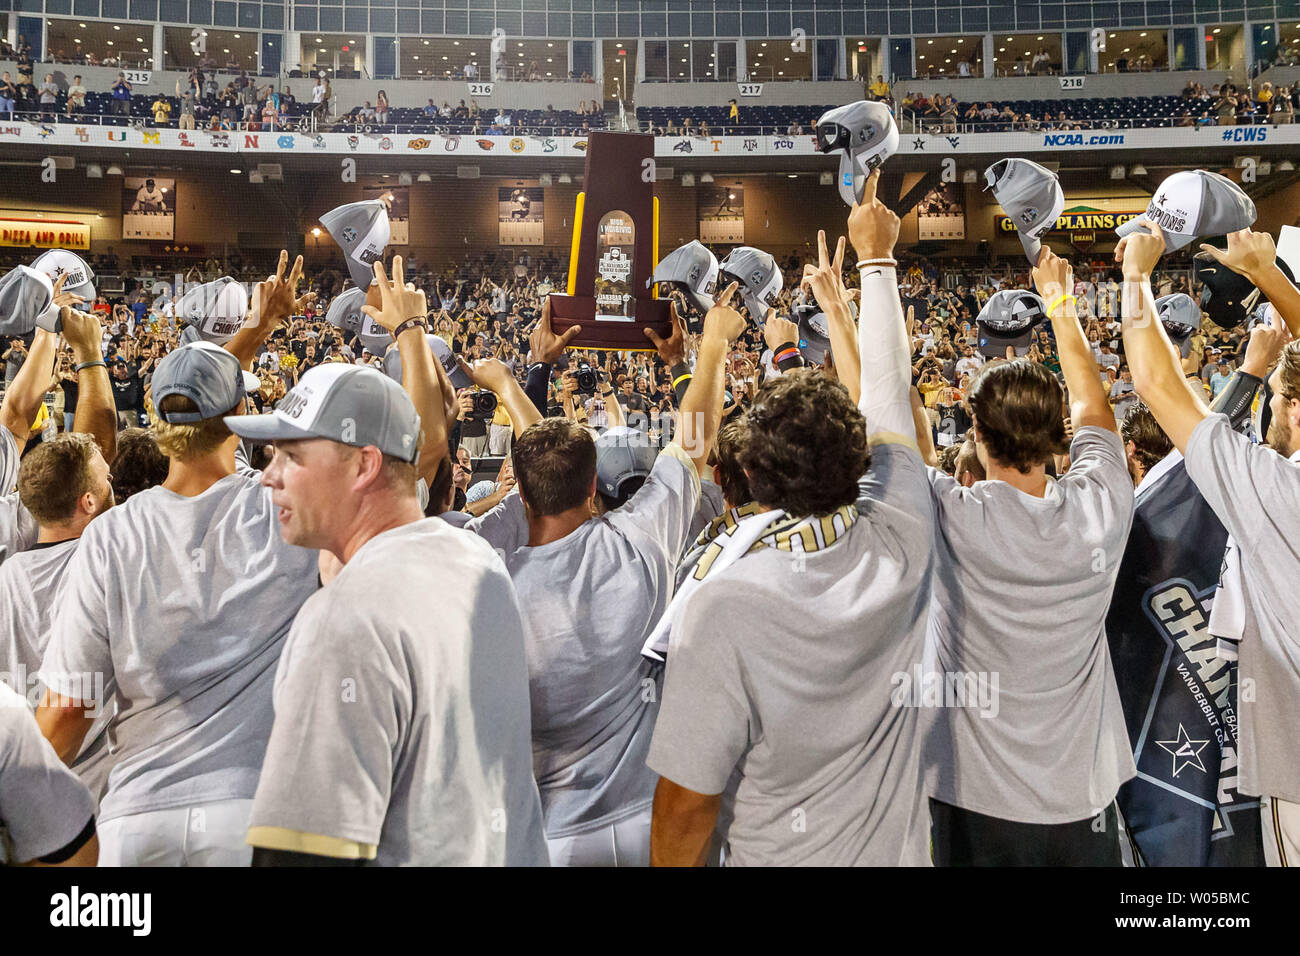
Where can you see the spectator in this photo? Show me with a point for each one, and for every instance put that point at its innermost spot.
(122, 96)
(76, 97)
(8, 94)
(162, 111)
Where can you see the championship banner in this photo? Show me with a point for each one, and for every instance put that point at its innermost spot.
(44, 233)
(148, 208)
(1179, 697)
(722, 214)
(941, 215)
(398, 201)
(521, 219)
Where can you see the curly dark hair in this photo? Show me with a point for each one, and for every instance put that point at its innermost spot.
(807, 445)
(139, 464)
(1018, 413)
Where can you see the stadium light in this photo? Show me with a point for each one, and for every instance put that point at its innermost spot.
(1138, 170)
(404, 179)
(1286, 166)
(114, 170)
(706, 177)
(94, 171)
(424, 178)
(1117, 172)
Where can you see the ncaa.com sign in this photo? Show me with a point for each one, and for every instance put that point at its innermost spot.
(1083, 139)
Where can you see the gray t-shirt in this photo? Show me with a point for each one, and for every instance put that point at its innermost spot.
(185, 603)
(1255, 492)
(710, 507)
(780, 687)
(29, 590)
(1021, 592)
(43, 806)
(402, 728)
(589, 602)
(18, 529)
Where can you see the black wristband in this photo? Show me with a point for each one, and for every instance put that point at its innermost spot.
(84, 365)
(418, 321)
(793, 359)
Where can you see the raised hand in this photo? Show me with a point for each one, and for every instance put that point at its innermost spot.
(543, 344)
(400, 300)
(1266, 344)
(722, 321)
(491, 374)
(274, 299)
(1053, 276)
(778, 331)
(1248, 253)
(826, 279)
(873, 228)
(1140, 251)
(62, 298)
(672, 350)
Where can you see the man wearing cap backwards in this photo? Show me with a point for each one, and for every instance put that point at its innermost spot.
(778, 725)
(189, 646)
(1035, 783)
(592, 585)
(1255, 492)
(402, 730)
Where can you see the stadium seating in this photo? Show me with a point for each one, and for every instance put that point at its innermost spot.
(1129, 112)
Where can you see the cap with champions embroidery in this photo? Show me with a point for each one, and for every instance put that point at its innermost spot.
(1195, 203)
(350, 404)
(362, 230)
(345, 313)
(441, 352)
(216, 310)
(1032, 198)
(622, 453)
(207, 375)
(1010, 313)
(61, 262)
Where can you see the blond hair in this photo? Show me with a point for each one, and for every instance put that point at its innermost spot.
(189, 441)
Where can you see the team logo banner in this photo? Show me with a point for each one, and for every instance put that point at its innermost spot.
(1179, 697)
(148, 208)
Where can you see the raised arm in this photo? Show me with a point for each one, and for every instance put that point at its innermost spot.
(495, 376)
(25, 393)
(402, 313)
(1254, 255)
(1089, 401)
(833, 299)
(701, 410)
(1157, 370)
(273, 301)
(96, 413)
(883, 346)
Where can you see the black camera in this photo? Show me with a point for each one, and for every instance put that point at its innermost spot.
(586, 379)
(485, 406)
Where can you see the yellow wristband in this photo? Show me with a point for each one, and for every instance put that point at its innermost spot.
(681, 378)
(1055, 302)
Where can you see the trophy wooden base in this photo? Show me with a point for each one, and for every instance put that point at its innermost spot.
(610, 332)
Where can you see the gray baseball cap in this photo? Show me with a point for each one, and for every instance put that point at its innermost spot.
(441, 352)
(27, 302)
(1195, 203)
(866, 134)
(1032, 198)
(622, 453)
(216, 309)
(60, 262)
(814, 332)
(345, 313)
(1180, 315)
(350, 404)
(1010, 313)
(361, 229)
(758, 275)
(207, 375)
(693, 269)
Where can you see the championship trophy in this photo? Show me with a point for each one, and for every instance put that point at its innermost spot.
(615, 249)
